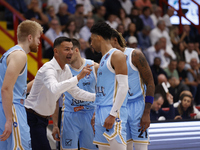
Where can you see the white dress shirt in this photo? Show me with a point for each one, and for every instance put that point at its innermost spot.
(167, 20)
(85, 33)
(156, 33)
(50, 82)
(189, 56)
(155, 19)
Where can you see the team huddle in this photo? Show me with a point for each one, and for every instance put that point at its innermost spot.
(106, 106)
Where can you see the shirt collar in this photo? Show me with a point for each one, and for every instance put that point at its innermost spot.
(56, 65)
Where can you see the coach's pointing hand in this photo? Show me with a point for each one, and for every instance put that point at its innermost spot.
(85, 71)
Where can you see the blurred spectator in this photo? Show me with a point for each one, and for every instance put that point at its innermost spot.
(131, 31)
(40, 3)
(143, 3)
(168, 52)
(191, 53)
(52, 33)
(156, 110)
(92, 54)
(51, 13)
(19, 5)
(71, 5)
(171, 69)
(182, 73)
(159, 88)
(185, 36)
(83, 47)
(85, 30)
(63, 15)
(197, 49)
(134, 16)
(166, 17)
(155, 51)
(70, 30)
(132, 42)
(99, 15)
(121, 29)
(35, 13)
(176, 87)
(156, 15)
(78, 17)
(196, 111)
(87, 6)
(194, 80)
(112, 21)
(174, 36)
(159, 32)
(145, 16)
(109, 7)
(126, 5)
(157, 70)
(180, 51)
(123, 19)
(97, 3)
(185, 108)
(55, 4)
(144, 39)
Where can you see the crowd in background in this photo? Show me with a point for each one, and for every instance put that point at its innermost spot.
(172, 55)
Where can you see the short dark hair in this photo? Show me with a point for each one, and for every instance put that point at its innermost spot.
(61, 39)
(76, 43)
(157, 96)
(102, 29)
(145, 8)
(78, 5)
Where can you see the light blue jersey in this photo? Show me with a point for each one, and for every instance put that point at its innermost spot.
(77, 114)
(106, 91)
(87, 83)
(19, 91)
(137, 88)
(106, 88)
(136, 104)
(20, 136)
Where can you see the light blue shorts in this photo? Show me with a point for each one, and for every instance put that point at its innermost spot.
(20, 136)
(76, 126)
(118, 130)
(135, 112)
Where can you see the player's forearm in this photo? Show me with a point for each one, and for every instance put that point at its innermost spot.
(7, 97)
(121, 94)
(55, 115)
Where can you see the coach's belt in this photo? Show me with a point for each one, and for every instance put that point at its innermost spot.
(33, 112)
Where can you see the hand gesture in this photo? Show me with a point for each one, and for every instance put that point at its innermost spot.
(7, 131)
(93, 122)
(110, 120)
(169, 98)
(145, 121)
(56, 133)
(85, 71)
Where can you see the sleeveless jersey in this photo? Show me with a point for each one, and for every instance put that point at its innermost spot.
(137, 89)
(19, 91)
(107, 86)
(87, 83)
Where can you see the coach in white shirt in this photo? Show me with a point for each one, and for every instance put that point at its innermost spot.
(52, 79)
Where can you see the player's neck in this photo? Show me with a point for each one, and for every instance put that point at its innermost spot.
(25, 47)
(105, 47)
(78, 63)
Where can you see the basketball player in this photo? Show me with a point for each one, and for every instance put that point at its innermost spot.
(77, 114)
(111, 91)
(14, 130)
(140, 94)
(52, 79)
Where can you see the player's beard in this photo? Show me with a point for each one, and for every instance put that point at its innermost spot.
(33, 47)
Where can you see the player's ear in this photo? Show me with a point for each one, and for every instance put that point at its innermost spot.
(29, 37)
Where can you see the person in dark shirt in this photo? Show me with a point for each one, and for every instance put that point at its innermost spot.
(156, 110)
(181, 72)
(157, 70)
(185, 108)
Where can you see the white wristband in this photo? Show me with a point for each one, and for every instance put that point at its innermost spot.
(122, 91)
